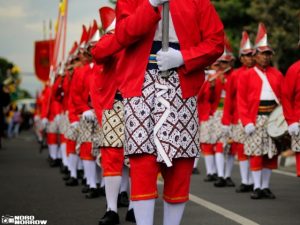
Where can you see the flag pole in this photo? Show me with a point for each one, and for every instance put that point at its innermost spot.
(165, 32)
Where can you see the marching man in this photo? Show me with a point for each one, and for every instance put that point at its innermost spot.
(231, 117)
(161, 122)
(291, 107)
(258, 95)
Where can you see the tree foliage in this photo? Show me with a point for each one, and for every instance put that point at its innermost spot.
(281, 18)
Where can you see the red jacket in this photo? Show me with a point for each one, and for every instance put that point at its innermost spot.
(250, 85)
(291, 94)
(107, 52)
(203, 102)
(76, 92)
(95, 93)
(230, 113)
(51, 106)
(199, 31)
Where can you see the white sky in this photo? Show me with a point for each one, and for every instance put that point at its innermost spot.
(21, 23)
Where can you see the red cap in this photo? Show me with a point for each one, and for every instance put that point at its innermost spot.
(107, 18)
(94, 33)
(84, 37)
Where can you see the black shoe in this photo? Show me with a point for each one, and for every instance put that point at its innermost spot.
(93, 193)
(66, 176)
(54, 163)
(256, 194)
(102, 191)
(64, 169)
(266, 193)
(109, 218)
(72, 182)
(83, 181)
(220, 182)
(195, 171)
(243, 188)
(85, 189)
(229, 182)
(251, 187)
(209, 178)
(80, 174)
(123, 200)
(215, 176)
(130, 216)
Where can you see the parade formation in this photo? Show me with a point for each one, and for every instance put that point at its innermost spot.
(113, 122)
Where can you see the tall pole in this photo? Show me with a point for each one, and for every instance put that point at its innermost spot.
(65, 30)
(165, 32)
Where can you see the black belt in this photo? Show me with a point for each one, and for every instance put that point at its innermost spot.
(266, 107)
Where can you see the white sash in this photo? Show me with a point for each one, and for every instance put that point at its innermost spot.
(264, 78)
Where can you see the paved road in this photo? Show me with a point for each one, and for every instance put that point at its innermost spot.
(29, 187)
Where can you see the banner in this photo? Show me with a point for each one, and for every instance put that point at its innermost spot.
(42, 55)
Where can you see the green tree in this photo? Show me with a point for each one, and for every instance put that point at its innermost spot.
(281, 18)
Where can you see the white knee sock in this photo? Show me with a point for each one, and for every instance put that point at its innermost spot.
(173, 213)
(53, 151)
(257, 178)
(125, 179)
(250, 177)
(73, 161)
(196, 162)
(266, 176)
(92, 176)
(244, 171)
(99, 174)
(229, 165)
(59, 154)
(86, 171)
(220, 164)
(64, 154)
(79, 164)
(144, 211)
(112, 187)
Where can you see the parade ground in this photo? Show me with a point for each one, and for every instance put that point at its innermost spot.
(30, 187)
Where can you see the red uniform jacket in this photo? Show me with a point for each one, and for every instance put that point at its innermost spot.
(204, 102)
(95, 93)
(230, 113)
(75, 93)
(199, 31)
(291, 94)
(107, 52)
(51, 106)
(250, 85)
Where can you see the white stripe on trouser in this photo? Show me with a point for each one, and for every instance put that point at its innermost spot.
(73, 161)
(158, 125)
(53, 151)
(125, 179)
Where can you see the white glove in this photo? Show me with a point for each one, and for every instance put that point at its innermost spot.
(156, 3)
(169, 59)
(74, 124)
(36, 118)
(249, 128)
(225, 129)
(57, 118)
(44, 122)
(88, 115)
(294, 129)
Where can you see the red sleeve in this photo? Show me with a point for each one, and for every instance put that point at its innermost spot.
(73, 97)
(45, 104)
(242, 98)
(134, 21)
(288, 94)
(101, 51)
(212, 35)
(228, 102)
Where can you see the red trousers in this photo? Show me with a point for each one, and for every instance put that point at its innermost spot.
(52, 138)
(298, 163)
(238, 149)
(71, 145)
(112, 161)
(85, 152)
(260, 162)
(144, 170)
